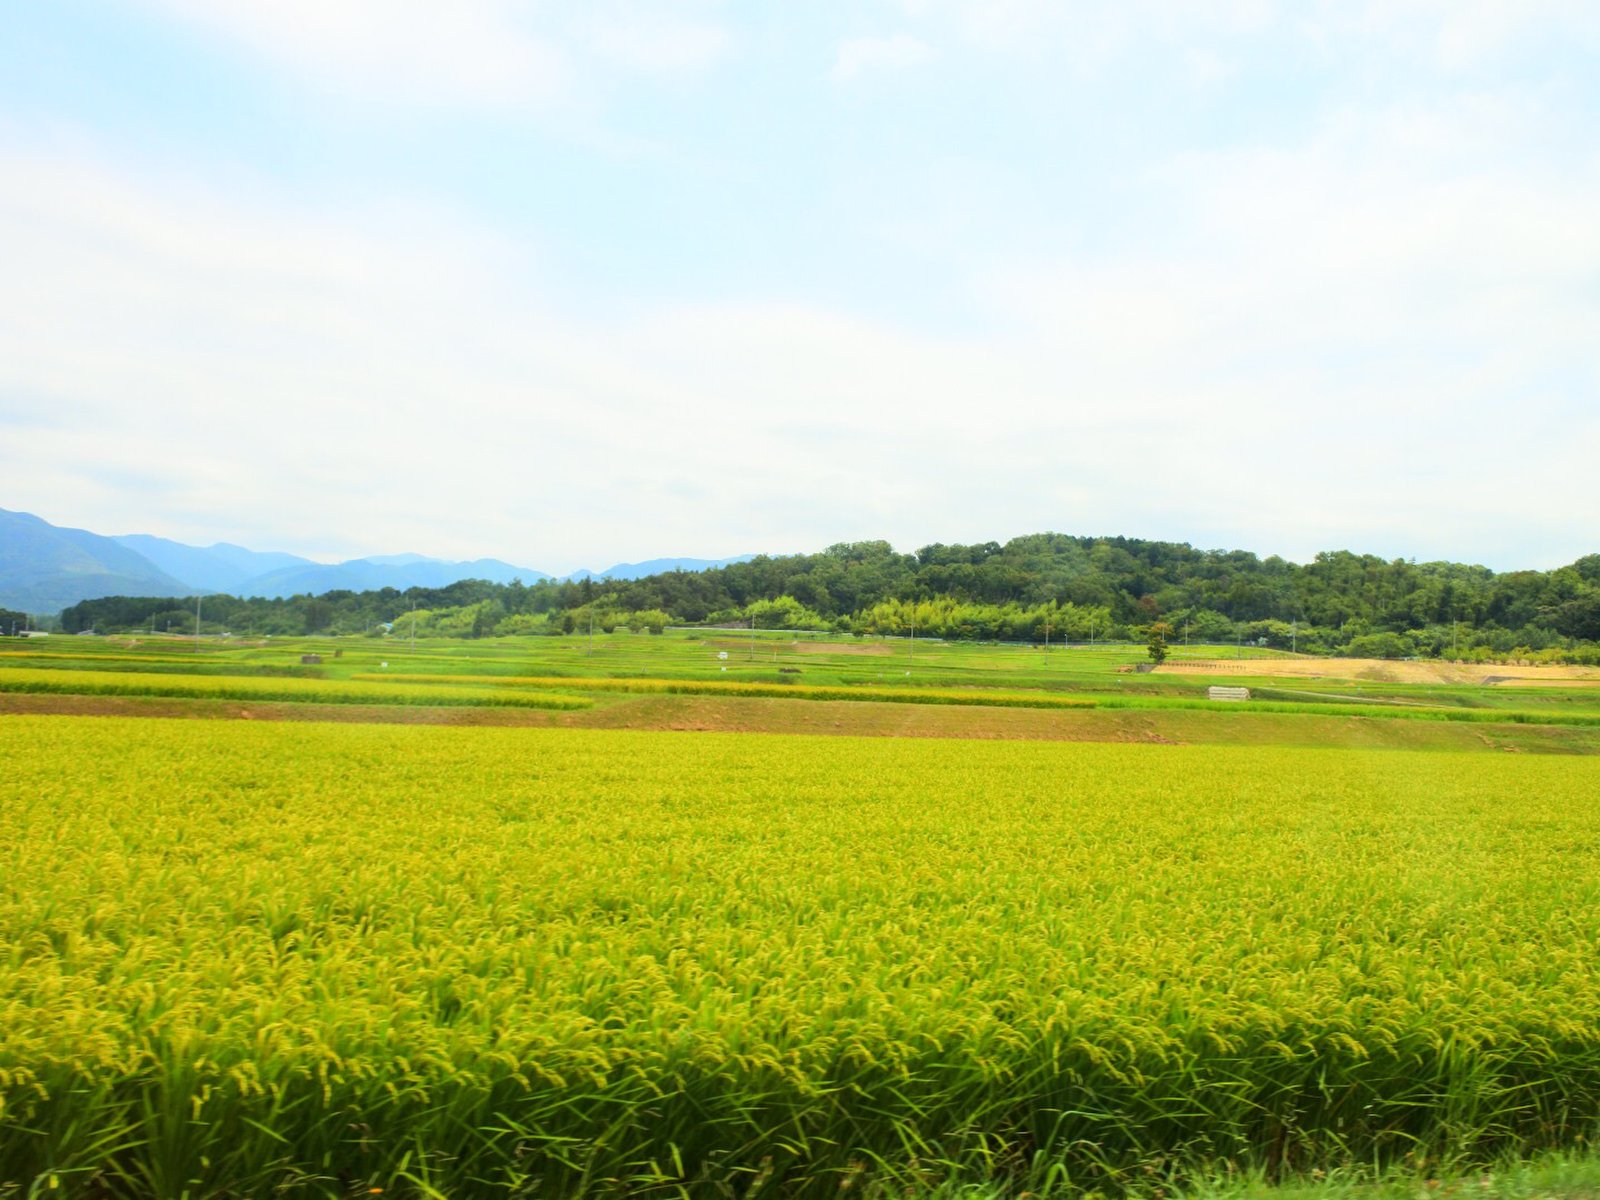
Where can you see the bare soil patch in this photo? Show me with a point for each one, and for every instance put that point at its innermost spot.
(862, 649)
(851, 718)
(743, 714)
(728, 714)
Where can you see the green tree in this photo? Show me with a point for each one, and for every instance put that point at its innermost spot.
(653, 619)
(318, 615)
(1158, 642)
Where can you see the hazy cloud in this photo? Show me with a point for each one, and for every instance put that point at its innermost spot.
(648, 38)
(484, 54)
(857, 56)
(469, 51)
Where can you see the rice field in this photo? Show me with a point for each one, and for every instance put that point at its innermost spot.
(612, 673)
(239, 959)
(52, 681)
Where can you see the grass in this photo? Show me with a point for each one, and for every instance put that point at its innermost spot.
(1545, 1177)
(240, 958)
(821, 661)
(783, 691)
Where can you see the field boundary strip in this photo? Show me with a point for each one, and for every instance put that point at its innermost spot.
(993, 699)
(784, 691)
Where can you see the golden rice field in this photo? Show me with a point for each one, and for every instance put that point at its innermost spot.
(50, 681)
(243, 960)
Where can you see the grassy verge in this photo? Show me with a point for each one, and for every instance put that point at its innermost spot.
(785, 691)
(1380, 712)
(1550, 1177)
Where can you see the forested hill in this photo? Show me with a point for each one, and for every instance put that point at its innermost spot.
(1080, 587)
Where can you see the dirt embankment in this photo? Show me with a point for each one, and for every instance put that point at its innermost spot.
(728, 714)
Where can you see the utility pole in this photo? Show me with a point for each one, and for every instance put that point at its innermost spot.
(1047, 635)
(910, 657)
(1294, 636)
(752, 637)
(591, 629)
(413, 626)
(197, 624)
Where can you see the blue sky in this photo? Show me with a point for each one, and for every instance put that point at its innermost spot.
(571, 283)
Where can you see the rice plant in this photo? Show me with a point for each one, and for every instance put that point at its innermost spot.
(239, 958)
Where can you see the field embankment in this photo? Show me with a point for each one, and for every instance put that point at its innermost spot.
(746, 714)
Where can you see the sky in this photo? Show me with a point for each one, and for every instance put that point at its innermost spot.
(566, 284)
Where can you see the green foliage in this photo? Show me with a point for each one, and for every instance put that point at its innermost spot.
(783, 612)
(652, 619)
(1156, 641)
(945, 617)
(1381, 645)
(522, 624)
(318, 614)
(1082, 588)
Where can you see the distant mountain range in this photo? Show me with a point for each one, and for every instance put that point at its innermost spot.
(44, 568)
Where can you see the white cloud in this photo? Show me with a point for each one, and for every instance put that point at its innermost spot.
(1451, 35)
(1206, 68)
(1083, 34)
(1378, 334)
(1445, 36)
(858, 56)
(484, 54)
(649, 39)
(472, 52)
(1373, 336)
(1352, 348)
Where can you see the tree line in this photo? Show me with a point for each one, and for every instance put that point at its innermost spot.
(1031, 588)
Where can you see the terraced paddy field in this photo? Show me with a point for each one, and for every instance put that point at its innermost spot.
(720, 655)
(713, 679)
(242, 959)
